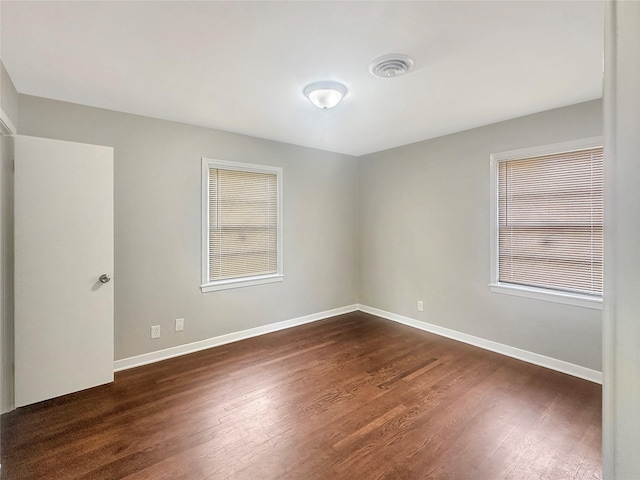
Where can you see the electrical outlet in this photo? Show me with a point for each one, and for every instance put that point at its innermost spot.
(179, 324)
(155, 331)
(420, 306)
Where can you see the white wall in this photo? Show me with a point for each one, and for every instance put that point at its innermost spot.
(621, 399)
(424, 235)
(157, 224)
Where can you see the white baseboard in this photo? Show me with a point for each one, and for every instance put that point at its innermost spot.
(159, 355)
(524, 355)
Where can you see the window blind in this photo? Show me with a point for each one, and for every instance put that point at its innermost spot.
(243, 224)
(550, 221)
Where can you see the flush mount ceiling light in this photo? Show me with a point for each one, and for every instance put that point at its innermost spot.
(325, 94)
(389, 66)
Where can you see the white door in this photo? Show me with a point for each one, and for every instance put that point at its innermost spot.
(63, 244)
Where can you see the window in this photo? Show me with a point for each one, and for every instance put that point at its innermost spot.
(241, 224)
(548, 222)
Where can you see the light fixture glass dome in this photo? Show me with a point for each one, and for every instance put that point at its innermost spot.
(325, 94)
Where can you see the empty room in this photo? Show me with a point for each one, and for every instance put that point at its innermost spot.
(319, 240)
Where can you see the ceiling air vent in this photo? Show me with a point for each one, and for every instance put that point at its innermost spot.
(389, 66)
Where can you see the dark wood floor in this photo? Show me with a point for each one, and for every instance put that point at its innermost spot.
(353, 397)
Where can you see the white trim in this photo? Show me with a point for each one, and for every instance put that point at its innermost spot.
(566, 298)
(572, 145)
(524, 355)
(204, 249)
(494, 224)
(206, 285)
(165, 354)
(613, 266)
(242, 166)
(7, 128)
(531, 292)
(240, 282)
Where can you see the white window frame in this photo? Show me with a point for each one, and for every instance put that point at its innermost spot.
(495, 285)
(212, 286)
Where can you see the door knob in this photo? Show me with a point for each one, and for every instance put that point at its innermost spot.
(104, 278)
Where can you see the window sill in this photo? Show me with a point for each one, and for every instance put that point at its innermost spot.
(240, 282)
(575, 299)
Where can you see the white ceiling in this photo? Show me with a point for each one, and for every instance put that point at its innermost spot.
(242, 66)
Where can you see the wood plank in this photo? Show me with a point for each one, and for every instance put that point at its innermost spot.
(354, 396)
